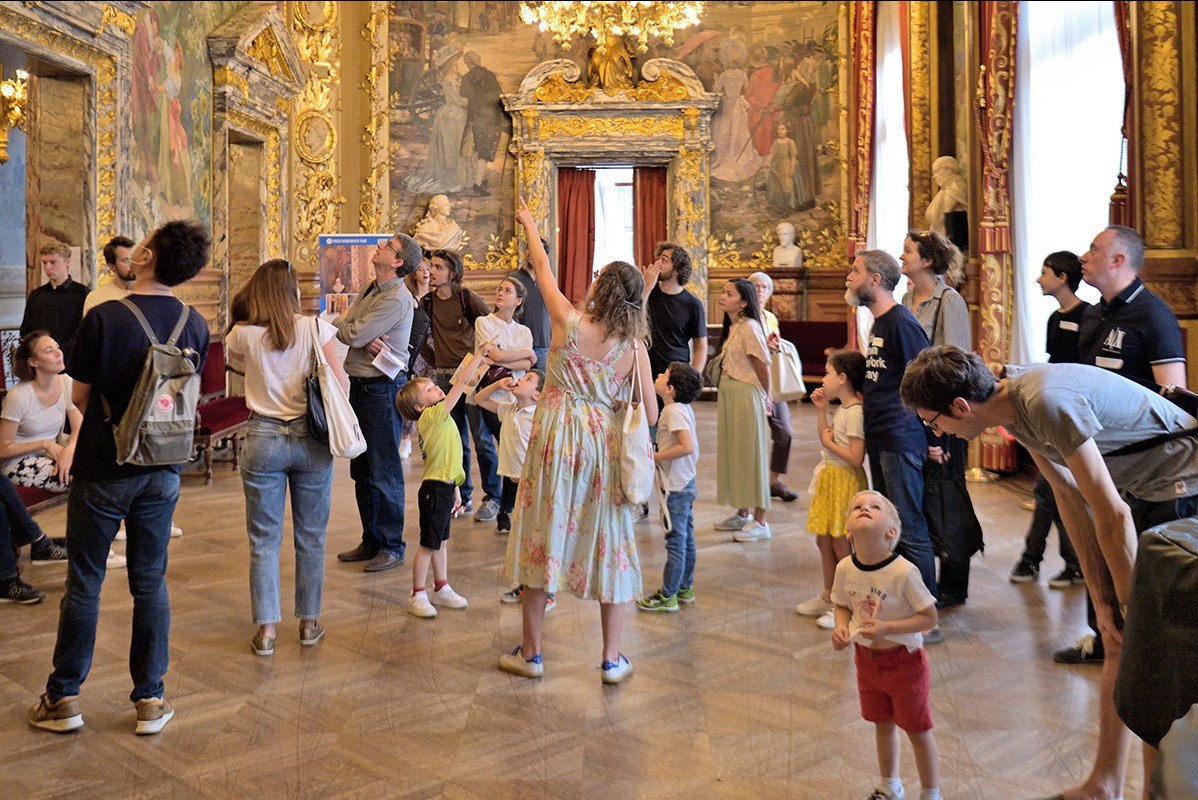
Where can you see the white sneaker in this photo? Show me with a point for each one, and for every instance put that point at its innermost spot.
(122, 534)
(447, 597)
(827, 621)
(405, 447)
(753, 532)
(733, 523)
(419, 606)
(815, 607)
(115, 560)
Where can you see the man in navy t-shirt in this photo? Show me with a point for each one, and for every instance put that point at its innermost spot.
(894, 438)
(108, 358)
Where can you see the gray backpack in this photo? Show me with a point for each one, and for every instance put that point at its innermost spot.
(158, 426)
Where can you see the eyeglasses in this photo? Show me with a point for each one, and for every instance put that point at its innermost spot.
(390, 245)
(931, 423)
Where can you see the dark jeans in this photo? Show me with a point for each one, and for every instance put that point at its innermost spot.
(1043, 517)
(378, 473)
(542, 354)
(16, 528)
(94, 512)
(468, 416)
(899, 478)
(780, 436)
(507, 503)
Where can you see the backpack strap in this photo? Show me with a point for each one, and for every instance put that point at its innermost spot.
(145, 325)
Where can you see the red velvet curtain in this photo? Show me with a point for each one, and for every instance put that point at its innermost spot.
(576, 231)
(648, 212)
(862, 97)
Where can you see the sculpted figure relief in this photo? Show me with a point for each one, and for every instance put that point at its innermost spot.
(438, 231)
(787, 253)
(953, 194)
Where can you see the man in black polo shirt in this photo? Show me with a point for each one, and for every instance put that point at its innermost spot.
(57, 305)
(1132, 332)
(677, 325)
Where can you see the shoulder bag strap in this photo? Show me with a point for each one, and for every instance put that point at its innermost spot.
(1148, 444)
(145, 325)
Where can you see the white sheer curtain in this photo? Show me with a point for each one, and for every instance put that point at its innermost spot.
(1067, 141)
(890, 195)
(613, 216)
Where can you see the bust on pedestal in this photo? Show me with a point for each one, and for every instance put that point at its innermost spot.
(787, 253)
(953, 194)
(438, 231)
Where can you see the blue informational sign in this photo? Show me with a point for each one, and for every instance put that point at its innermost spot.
(345, 267)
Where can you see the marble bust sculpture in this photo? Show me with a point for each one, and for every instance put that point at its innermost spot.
(787, 253)
(952, 195)
(438, 231)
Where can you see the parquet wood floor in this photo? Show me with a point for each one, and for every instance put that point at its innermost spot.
(735, 697)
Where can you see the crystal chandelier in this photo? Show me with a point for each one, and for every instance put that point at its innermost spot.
(640, 19)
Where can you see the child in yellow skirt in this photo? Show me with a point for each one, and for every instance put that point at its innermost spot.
(839, 474)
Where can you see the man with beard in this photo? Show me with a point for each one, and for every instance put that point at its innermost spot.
(116, 255)
(677, 325)
(895, 440)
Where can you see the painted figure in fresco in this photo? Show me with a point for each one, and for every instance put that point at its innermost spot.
(795, 99)
(173, 151)
(763, 113)
(735, 158)
(780, 178)
(438, 230)
(146, 67)
(448, 169)
(485, 118)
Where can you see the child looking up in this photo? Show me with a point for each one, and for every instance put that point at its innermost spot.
(839, 474)
(677, 454)
(423, 401)
(883, 604)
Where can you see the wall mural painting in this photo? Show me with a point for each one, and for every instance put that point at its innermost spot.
(170, 105)
(776, 134)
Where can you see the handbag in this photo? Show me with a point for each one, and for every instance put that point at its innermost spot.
(636, 449)
(714, 369)
(331, 419)
(786, 374)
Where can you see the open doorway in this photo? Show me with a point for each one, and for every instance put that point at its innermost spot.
(613, 217)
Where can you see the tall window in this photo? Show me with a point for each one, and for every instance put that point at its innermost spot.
(613, 216)
(1067, 142)
(890, 195)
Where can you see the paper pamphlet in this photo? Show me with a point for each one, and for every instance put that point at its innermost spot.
(387, 363)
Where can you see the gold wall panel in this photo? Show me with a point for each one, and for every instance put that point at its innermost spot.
(611, 126)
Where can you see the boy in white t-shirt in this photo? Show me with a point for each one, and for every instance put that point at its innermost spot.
(677, 456)
(882, 603)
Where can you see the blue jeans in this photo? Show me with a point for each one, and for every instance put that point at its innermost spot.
(542, 354)
(276, 455)
(468, 418)
(899, 478)
(378, 473)
(94, 512)
(16, 528)
(679, 572)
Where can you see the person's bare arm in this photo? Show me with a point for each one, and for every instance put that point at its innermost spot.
(1171, 374)
(556, 304)
(699, 353)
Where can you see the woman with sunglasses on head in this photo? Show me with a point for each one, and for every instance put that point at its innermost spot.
(272, 343)
(930, 261)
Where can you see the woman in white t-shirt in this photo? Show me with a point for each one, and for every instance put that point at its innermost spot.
(500, 337)
(272, 343)
(34, 444)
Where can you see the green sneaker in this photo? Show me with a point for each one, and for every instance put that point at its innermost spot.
(658, 602)
(686, 595)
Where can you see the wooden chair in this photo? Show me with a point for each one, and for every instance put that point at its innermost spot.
(218, 418)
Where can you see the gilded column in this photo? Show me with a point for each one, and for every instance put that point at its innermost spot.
(317, 175)
(919, 109)
(374, 137)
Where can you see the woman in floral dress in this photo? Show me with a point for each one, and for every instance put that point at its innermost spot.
(573, 527)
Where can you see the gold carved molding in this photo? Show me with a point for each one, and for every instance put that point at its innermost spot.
(317, 177)
(556, 89)
(225, 76)
(1161, 123)
(374, 134)
(274, 175)
(920, 108)
(601, 126)
(104, 67)
(118, 19)
(265, 48)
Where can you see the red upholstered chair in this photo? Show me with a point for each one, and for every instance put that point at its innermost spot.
(218, 418)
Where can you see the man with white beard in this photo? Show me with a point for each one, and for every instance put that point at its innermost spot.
(895, 440)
